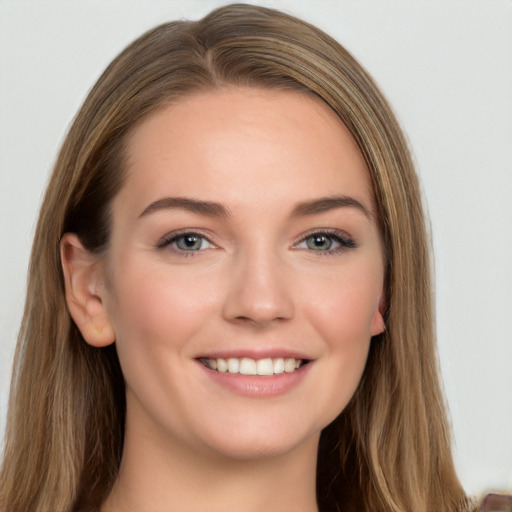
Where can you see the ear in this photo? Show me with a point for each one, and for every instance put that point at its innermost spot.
(378, 325)
(86, 292)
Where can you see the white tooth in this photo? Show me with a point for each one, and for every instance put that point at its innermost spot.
(278, 365)
(289, 365)
(264, 367)
(233, 365)
(247, 366)
(222, 365)
(298, 363)
(212, 363)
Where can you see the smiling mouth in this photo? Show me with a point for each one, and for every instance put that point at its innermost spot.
(247, 366)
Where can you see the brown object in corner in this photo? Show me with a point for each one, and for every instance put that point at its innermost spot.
(497, 503)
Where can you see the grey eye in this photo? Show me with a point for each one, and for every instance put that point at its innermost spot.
(185, 242)
(319, 242)
(190, 242)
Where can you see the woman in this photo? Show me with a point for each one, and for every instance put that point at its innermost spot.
(235, 273)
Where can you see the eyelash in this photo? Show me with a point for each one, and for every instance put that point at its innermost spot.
(343, 239)
(345, 242)
(172, 238)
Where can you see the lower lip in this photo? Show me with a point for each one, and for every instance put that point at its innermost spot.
(256, 386)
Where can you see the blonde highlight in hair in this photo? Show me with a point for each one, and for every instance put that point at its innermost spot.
(389, 450)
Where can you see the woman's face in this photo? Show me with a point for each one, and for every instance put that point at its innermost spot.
(244, 237)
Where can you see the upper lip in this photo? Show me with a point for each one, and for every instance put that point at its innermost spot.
(254, 353)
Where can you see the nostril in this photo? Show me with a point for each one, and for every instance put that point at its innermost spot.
(259, 320)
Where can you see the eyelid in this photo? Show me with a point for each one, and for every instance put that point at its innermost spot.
(345, 240)
(172, 236)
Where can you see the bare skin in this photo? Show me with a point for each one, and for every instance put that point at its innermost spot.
(245, 231)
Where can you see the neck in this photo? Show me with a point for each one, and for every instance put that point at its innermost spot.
(165, 477)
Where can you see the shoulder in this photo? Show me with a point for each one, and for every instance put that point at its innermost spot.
(497, 503)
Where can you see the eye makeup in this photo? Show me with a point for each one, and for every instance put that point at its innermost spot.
(325, 241)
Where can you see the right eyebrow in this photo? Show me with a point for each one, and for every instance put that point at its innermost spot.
(207, 208)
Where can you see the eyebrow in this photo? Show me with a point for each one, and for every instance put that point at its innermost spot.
(325, 204)
(212, 209)
(207, 208)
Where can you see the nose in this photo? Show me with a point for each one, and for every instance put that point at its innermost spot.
(260, 291)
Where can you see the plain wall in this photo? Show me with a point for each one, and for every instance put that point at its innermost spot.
(446, 67)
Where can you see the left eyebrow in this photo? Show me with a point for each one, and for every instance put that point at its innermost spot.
(325, 204)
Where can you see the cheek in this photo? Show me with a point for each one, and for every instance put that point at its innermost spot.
(340, 311)
(345, 305)
(156, 307)
(157, 314)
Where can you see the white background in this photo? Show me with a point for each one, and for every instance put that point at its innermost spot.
(446, 67)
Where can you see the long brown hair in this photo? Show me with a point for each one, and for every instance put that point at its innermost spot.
(389, 450)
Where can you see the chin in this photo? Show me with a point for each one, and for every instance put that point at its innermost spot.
(259, 439)
(258, 448)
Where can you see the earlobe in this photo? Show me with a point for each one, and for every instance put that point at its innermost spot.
(85, 292)
(378, 325)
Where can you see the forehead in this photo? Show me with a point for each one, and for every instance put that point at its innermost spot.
(233, 145)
